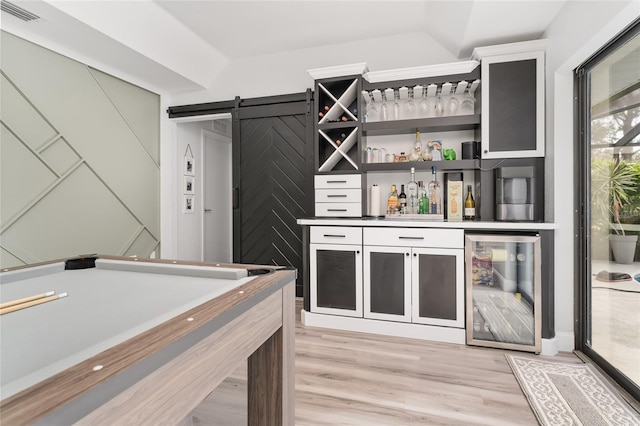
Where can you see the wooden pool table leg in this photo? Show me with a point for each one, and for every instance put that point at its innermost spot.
(271, 372)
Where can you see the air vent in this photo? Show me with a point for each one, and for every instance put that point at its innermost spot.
(17, 11)
(221, 126)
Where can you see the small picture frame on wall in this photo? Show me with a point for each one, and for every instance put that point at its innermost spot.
(189, 185)
(188, 206)
(189, 166)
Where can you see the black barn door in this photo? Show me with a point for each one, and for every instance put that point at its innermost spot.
(273, 179)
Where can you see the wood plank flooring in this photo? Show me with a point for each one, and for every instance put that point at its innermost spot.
(346, 378)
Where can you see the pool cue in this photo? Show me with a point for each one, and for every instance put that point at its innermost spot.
(32, 303)
(26, 299)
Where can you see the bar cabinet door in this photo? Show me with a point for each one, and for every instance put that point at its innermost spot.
(438, 286)
(387, 283)
(336, 279)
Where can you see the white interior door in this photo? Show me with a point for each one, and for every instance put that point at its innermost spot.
(217, 196)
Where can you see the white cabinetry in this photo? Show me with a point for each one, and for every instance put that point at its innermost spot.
(338, 195)
(335, 267)
(513, 99)
(414, 275)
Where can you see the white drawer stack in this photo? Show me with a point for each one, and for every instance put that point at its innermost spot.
(338, 195)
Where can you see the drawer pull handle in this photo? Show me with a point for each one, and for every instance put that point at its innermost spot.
(334, 236)
(336, 210)
(336, 181)
(411, 238)
(337, 196)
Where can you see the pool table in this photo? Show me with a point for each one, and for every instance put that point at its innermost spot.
(141, 341)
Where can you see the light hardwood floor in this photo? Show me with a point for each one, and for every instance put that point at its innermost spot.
(345, 378)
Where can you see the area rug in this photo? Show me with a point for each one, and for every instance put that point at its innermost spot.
(570, 394)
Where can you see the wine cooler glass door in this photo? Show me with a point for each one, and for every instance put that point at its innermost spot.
(503, 291)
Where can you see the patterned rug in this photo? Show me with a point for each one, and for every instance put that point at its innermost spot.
(570, 394)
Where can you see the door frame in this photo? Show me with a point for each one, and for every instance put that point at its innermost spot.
(201, 193)
(582, 208)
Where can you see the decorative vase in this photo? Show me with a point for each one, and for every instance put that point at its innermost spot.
(624, 247)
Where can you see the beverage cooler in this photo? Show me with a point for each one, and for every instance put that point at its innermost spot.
(503, 291)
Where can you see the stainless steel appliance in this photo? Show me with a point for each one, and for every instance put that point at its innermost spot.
(515, 193)
(503, 291)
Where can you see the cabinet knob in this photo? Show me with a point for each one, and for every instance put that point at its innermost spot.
(357, 251)
(415, 254)
(407, 254)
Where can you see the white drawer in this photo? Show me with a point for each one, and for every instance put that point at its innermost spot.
(414, 237)
(338, 195)
(338, 181)
(339, 209)
(336, 235)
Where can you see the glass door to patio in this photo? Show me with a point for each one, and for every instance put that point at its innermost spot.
(609, 90)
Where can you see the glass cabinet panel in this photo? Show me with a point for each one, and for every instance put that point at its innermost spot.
(503, 291)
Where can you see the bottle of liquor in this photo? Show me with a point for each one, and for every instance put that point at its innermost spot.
(412, 193)
(423, 201)
(392, 201)
(435, 194)
(402, 200)
(416, 152)
(469, 205)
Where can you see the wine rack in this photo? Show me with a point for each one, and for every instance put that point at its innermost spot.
(338, 129)
(336, 145)
(337, 101)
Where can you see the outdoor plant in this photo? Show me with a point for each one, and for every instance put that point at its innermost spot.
(613, 184)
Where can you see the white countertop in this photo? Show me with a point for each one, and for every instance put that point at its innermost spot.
(517, 226)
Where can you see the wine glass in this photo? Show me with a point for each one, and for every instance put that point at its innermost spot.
(384, 109)
(371, 111)
(425, 104)
(396, 105)
(452, 105)
(409, 106)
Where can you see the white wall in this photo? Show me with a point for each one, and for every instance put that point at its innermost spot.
(578, 32)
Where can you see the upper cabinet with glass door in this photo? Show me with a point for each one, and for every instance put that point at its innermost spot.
(513, 94)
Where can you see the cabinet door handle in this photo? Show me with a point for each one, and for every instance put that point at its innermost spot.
(411, 238)
(336, 181)
(406, 254)
(334, 236)
(336, 210)
(337, 196)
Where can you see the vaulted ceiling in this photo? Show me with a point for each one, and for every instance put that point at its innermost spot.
(181, 44)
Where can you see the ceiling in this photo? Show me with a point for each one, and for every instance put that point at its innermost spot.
(251, 28)
(181, 44)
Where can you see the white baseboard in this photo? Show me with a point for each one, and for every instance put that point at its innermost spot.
(387, 328)
(563, 342)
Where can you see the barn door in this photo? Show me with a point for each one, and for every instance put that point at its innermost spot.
(273, 179)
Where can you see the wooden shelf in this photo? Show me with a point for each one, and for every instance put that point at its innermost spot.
(425, 125)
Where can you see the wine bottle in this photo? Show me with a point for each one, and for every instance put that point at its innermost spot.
(402, 200)
(392, 201)
(469, 205)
